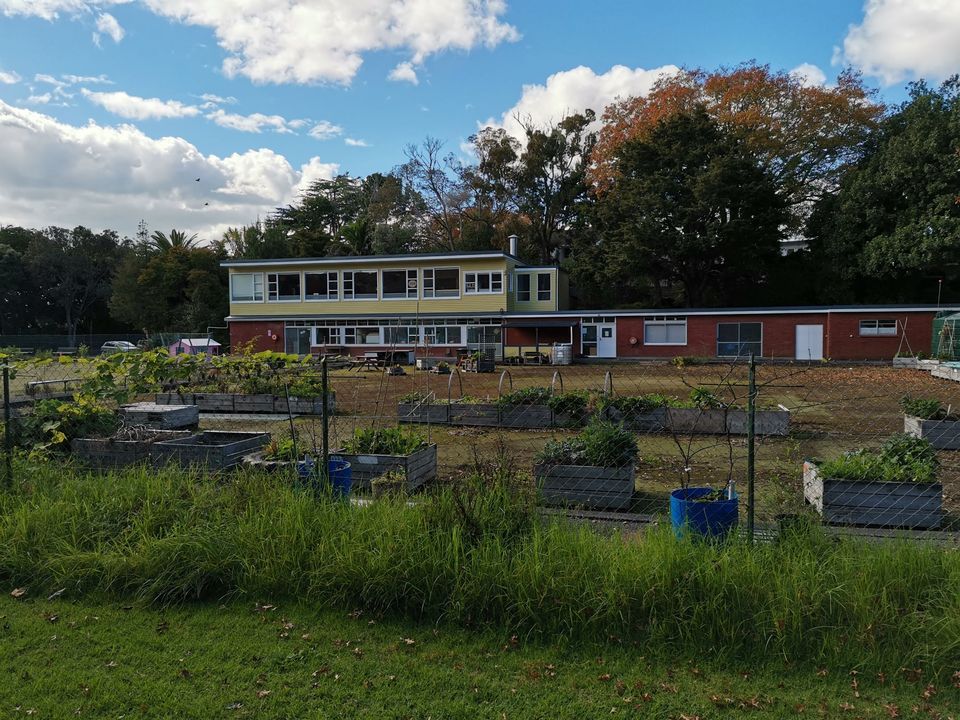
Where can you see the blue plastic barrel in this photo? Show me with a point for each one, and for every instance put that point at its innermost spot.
(341, 477)
(713, 519)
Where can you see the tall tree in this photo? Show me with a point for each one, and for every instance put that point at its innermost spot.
(892, 231)
(692, 207)
(803, 135)
(160, 241)
(437, 178)
(73, 269)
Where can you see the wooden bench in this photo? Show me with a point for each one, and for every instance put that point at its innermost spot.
(532, 357)
(65, 351)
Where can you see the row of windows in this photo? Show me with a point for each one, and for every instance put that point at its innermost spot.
(402, 284)
(357, 334)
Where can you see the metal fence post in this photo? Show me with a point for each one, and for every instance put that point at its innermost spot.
(7, 430)
(325, 421)
(751, 437)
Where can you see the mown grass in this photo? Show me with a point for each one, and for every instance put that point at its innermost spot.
(97, 659)
(481, 560)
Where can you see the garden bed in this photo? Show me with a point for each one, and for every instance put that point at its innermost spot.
(161, 417)
(526, 416)
(418, 467)
(213, 449)
(873, 503)
(430, 413)
(645, 422)
(942, 434)
(128, 449)
(588, 486)
(482, 414)
(694, 421)
(246, 403)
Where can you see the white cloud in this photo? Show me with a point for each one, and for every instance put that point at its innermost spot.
(138, 108)
(324, 130)
(356, 142)
(217, 99)
(902, 39)
(9, 77)
(108, 25)
(87, 79)
(41, 99)
(51, 80)
(575, 90)
(404, 72)
(307, 41)
(809, 75)
(254, 123)
(103, 176)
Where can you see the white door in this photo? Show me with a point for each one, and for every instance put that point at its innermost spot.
(607, 340)
(809, 342)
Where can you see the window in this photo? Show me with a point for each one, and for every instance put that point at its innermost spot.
(246, 287)
(871, 328)
(393, 335)
(320, 286)
(483, 335)
(665, 331)
(283, 287)
(482, 282)
(399, 284)
(328, 336)
(739, 339)
(359, 284)
(441, 282)
(543, 286)
(523, 287)
(443, 335)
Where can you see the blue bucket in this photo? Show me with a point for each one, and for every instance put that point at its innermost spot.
(341, 477)
(704, 519)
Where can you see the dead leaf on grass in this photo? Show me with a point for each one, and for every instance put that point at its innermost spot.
(18, 592)
(263, 693)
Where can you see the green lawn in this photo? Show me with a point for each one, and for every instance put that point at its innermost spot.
(66, 658)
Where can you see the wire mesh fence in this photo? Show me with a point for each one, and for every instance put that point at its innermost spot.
(707, 446)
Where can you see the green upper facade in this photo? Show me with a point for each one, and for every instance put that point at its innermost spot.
(461, 283)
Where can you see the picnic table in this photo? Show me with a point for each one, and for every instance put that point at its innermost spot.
(35, 385)
(367, 362)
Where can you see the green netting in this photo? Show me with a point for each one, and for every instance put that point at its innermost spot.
(946, 337)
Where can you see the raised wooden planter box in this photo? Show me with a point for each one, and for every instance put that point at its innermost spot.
(693, 421)
(526, 416)
(105, 454)
(653, 421)
(161, 417)
(946, 373)
(214, 449)
(432, 413)
(256, 461)
(243, 403)
(909, 363)
(873, 503)
(942, 434)
(418, 468)
(483, 414)
(588, 486)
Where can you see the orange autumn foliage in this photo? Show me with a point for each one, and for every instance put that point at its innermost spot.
(803, 134)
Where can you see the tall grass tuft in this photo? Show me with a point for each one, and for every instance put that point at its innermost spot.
(478, 555)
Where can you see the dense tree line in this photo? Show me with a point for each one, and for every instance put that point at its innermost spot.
(682, 197)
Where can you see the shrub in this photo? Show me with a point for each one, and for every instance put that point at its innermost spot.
(54, 423)
(630, 405)
(705, 399)
(385, 441)
(902, 458)
(600, 443)
(282, 449)
(525, 396)
(573, 404)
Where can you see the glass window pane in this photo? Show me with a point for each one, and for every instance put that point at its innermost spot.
(750, 332)
(728, 332)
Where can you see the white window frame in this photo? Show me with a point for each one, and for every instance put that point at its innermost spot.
(333, 332)
(429, 283)
(349, 281)
(256, 276)
(273, 286)
(662, 321)
(336, 285)
(871, 327)
(549, 296)
(472, 277)
(428, 335)
(410, 293)
(529, 290)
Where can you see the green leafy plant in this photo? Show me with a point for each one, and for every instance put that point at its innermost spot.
(525, 396)
(390, 483)
(282, 449)
(54, 423)
(414, 397)
(705, 399)
(902, 458)
(631, 405)
(600, 443)
(385, 441)
(923, 408)
(573, 404)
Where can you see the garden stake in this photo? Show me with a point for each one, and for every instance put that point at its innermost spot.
(751, 435)
(325, 422)
(7, 430)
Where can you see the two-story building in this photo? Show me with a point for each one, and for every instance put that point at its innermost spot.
(441, 303)
(430, 304)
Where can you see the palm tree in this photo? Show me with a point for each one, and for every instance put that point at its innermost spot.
(160, 242)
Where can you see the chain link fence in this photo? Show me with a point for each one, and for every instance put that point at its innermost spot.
(866, 449)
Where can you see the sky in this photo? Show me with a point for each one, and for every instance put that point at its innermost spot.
(204, 114)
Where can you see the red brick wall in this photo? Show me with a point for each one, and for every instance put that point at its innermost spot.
(259, 332)
(845, 342)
